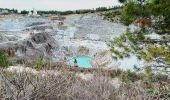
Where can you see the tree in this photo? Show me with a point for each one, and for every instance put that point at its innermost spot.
(156, 55)
(24, 12)
(161, 10)
(134, 9)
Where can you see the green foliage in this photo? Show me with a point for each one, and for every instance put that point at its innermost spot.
(154, 52)
(39, 63)
(126, 44)
(24, 12)
(161, 8)
(161, 91)
(159, 77)
(110, 15)
(148, 70)
(133, 10)
(4, 62)
(101, 9)
(154, 77)
(122, 1)
(152, 91)
(128, 76)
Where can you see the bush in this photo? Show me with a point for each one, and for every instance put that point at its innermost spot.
(128, 76)
(4, 63)
(39, 63)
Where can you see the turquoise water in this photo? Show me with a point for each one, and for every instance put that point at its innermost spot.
(82, 61)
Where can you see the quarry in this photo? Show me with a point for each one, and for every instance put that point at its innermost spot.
(61, 38)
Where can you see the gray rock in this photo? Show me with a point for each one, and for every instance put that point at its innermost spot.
(35, 24)
(3, 38)
(40, 38)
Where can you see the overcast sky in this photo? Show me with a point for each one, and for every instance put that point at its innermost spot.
(56, 4)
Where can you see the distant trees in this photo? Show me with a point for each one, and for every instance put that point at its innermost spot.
(24, 12)
(140, 1)
(10, 10)
(101, 9)
(82, 11)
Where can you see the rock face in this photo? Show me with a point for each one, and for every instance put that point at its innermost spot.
(103, 59)
(83, 50)
(3, 38)
(15, 40)
(39, 45)
(35, 24)
(41, 28)
(93, 37)
(39, 38)
(8, 48)
(93, 24)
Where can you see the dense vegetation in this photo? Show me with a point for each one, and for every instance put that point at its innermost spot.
(155, 52)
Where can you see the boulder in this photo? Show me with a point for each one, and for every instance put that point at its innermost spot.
(40, 38)
(103, 59)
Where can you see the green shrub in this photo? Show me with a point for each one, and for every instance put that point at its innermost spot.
(39, 63)
(4, 62)
(128, 76)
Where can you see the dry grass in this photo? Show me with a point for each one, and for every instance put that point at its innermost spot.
(67, 86)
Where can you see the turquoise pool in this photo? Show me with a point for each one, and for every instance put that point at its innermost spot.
(82, 61)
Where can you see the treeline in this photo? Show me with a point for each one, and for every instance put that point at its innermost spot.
(9, 10)
(83, 11)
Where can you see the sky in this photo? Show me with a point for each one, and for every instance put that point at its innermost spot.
(61, 5)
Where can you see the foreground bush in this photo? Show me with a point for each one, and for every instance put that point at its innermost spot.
(67, 86)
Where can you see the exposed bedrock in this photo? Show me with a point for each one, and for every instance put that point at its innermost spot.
(39, 38)
(102, 59)
(3, 38)
(39, 28)
(39, 45)
(35, 24)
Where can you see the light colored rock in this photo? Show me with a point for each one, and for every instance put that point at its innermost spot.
(93, 37)
(102, 59)
(85, 76)
(116, 83)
